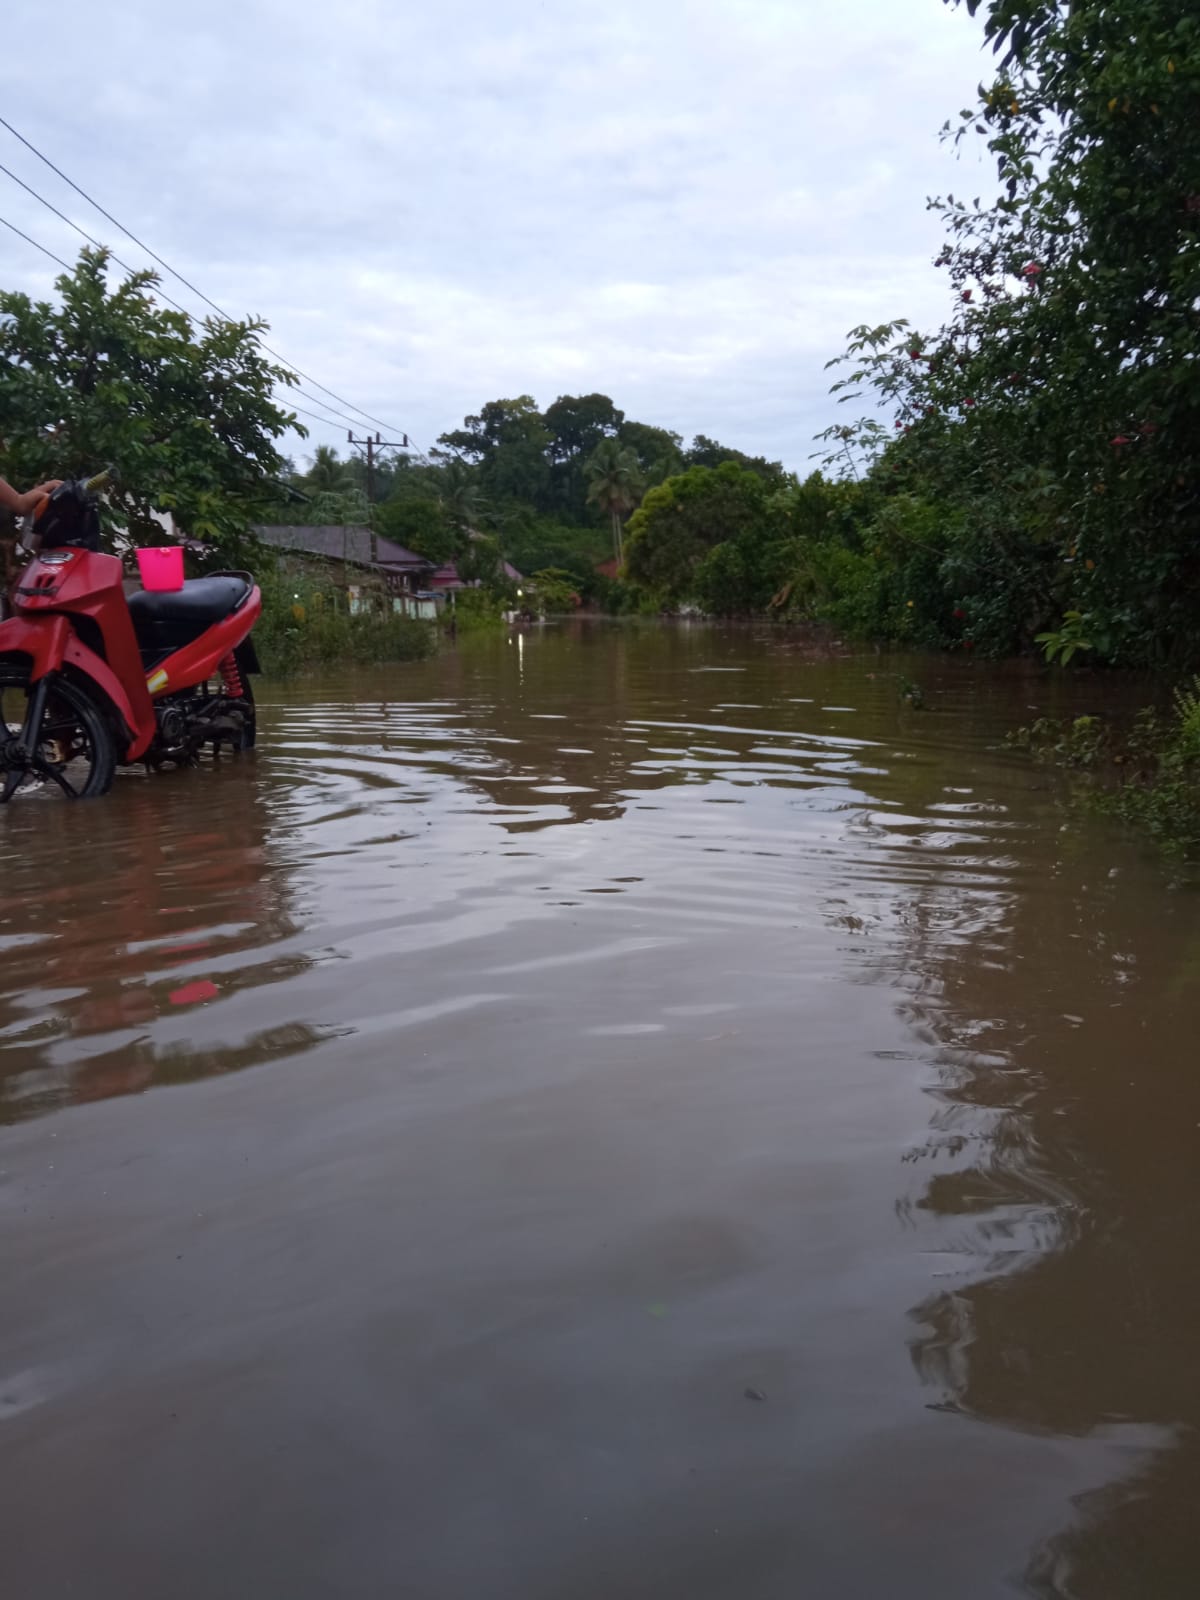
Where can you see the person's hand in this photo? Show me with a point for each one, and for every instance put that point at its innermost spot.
(46, 488)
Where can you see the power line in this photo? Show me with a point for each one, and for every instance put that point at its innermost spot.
(309, 379)
(34, 243)
(62, 216)
(83, 233)
(186, 282)
(329, 421)
(317, 401)
(224, 315)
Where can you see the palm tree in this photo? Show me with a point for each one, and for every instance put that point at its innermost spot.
(465, 508)
(615, 485)
(328, 472)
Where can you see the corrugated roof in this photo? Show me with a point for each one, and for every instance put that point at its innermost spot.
(341, 542)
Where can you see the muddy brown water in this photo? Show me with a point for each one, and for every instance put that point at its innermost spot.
(613, 1112)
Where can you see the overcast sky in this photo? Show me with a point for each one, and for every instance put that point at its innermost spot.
(684, 204)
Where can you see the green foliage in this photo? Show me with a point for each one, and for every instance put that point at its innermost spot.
(714, 535)
(306, 625)
(328, 473)
(577, 424)
(707, 452)
(476, 611)
(532, 542)
(614, 485)
(659, 451)
(1148, 775)
(419, 524)
(185, 412)
(1187, 720)
(482, 562)
(1076, 742)
(554, 591)
(1054, 420)
(1060, 644)
(508, 443)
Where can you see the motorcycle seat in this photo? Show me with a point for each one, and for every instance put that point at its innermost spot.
(167, 619)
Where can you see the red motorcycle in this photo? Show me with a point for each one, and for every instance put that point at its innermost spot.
(90, 677)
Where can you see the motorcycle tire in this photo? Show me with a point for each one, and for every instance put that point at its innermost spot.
(75, 750)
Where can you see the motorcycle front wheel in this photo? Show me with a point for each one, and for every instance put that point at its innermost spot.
(71, 752)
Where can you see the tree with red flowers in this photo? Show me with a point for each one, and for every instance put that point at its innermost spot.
(1056, 415)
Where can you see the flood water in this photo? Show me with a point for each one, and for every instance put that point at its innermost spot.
(608, 1113)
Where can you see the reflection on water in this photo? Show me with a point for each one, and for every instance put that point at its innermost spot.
(720, 1130)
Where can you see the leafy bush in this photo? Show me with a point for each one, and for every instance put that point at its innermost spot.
(554, 591)
(475, 611)
(306, 624)
(1148, 776)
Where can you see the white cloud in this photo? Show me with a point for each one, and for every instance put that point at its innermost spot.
(684, 203)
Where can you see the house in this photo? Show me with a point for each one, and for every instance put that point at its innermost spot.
(364, 563)
(446, 579)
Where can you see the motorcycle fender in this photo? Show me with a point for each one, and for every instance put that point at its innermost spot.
(44, 642)
(52, 644)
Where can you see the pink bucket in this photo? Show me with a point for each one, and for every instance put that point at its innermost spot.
(161, 567)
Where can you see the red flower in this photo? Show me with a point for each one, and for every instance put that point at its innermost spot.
(959, 613)
(1030, 270)
(968, 403)
(966, 294)
(899, 424)
(1119, 441)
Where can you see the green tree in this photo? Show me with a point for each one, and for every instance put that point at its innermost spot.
(420, 524)
(614, 485)
(706, 452)
(1055, 418)
(507, 441)
(327, 472)
(682, 522)
(659, 451)
(576, 424)
(533, 543)
(466, 507)
(482, 562)
(554, 590)
(185, 412)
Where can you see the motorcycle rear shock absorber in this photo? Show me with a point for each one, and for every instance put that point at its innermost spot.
(231, 677)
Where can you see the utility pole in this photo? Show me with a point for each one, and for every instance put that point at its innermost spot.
(373, 446)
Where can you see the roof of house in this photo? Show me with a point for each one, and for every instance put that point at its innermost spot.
(446, 577)
(343, 542)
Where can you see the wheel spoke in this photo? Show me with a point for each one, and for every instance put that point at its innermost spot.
(48, 770)
(59, 742)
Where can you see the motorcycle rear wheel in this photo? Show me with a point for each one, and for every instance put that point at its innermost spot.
(73, 752)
